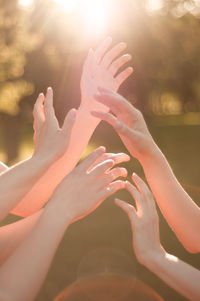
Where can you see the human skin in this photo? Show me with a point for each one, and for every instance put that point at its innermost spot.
(100, 68)
(82, 191)
(18, 180)
(180, 211)
(144, 222)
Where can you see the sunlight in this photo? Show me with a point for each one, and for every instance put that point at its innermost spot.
(93, 14)
(154, 5)
(67, 5)
(25, 3)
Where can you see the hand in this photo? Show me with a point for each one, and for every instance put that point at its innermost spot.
(144, 221)
(49, 139)
(100, 69)
(85, 188)
(128, 123)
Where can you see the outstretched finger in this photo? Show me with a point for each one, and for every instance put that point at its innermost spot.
(120, 78)
(139, 200)
(48, 105)
(144, 190)
(38, 112)
(120, 127)
(117, 158)
(89, 62)
(129, 210)
(118, 63)
(69, 123)
(117, 103)
(112, 54)
(112, 175)
(112, 188)
(103, 47)
(101, 168)
(91, 158)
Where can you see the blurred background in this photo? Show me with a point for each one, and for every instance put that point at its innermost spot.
(44, 43)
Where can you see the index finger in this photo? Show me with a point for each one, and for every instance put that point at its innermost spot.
(91, 158)
(102, 48)
(114, 101)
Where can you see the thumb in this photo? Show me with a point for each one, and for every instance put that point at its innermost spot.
(128, 209)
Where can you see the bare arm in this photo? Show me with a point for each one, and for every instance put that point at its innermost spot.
(182, 214)
(144, 221)
(83, 190)
(3, 167)
(100, 68)
(18, 180)
(12, 235)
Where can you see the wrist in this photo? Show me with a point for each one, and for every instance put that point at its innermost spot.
(154, 258)
(58, 215)
(152, 153)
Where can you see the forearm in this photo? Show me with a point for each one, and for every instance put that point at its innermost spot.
(182, 214)
(18, 180)
(12, 235)
(177, 274)
(22, 275)
(83, 129)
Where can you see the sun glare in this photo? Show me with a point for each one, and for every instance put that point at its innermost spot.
(25, 3)
(93, 14)
(67, 5)
(154, 5)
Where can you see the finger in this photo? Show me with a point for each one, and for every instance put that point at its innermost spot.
(113, 175)
(91, 158)
(38, 111)
(114, 101)
(112, 54)
(118, 63)
(144, 189)
(101, 168)
(89, 61)
(100, 51)
(69, 123)
(48, 104)
(136, 195)
(111, 189)
(120, 127)
(120, 78)
(117, 158)
(128, 209)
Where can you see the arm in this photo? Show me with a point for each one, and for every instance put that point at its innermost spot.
(12, 235)
(100, 68)
(144, 221)
(83, 190)
(18, 180)
(182, 214)
(3, 167)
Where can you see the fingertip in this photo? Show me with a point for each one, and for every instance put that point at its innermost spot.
(72, 113)
(123, 45)
(101, 149)
(130, 70)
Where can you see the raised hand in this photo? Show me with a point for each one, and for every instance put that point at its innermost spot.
(49, 139)
(144, 220)
(100, 69)
(146, 243)
(127, 121)
(85, 188)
